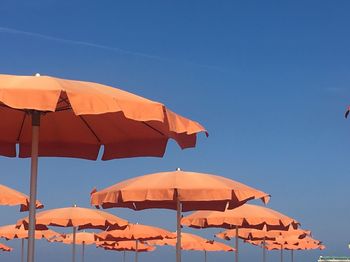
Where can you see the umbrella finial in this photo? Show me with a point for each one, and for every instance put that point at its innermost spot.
(178, 169)
(37, 74)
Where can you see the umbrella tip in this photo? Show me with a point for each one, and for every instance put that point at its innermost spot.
(37, 74)
(178, 169)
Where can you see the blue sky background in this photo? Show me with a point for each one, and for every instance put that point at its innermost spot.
(268, 79)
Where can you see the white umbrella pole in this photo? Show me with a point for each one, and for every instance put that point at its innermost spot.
(33, 184)
(136, 251)
(236, 255)
(22, 250)
(74, 235)
(83, 252)
(178, 229)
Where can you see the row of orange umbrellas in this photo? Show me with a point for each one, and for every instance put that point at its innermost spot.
(76, 118)
(48, 116)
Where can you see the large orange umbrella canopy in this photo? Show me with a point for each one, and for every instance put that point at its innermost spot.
(134, 232)
(85, 238)
(126, 246)
(86, 116)
(161, 190)
(11, 231)
(76, 217)
(193, 242)
(11, 197)
(245, 216)
(5, 248)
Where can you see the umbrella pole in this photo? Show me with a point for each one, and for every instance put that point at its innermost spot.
(236, 254)
(74, 235)
(124, 256)
(281, 253)
(33, 184)
(83, 252)
(205, 256)
(136, 251)
(22, 250)
(292, 255)
(264, 250)
(178, 230)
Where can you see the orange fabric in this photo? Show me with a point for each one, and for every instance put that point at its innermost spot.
(273, 246)
(193, 242)
(195, 191)
(246, 216)
(134, 232)
(255, 234)
(75, 217)
(11, 197)
(78, 117)
(5, 248)
(11, 231)
(80, 238)
(125, 246)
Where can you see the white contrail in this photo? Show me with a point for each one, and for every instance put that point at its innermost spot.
(93, 45)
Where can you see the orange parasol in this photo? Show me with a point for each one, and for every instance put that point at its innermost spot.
(76, 217)
(76, 118)
(11, 197)
(178, 190)
(135, 232)
(5, 248)
(125, 246)
(10, 232)
(289, 242)
(81, 238)
(245, 216)
(194, 242)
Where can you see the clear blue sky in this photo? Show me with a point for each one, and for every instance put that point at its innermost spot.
(268, 79)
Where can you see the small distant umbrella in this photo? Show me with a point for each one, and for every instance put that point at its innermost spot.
(82, 218)
(125, 246)
(245, 216)
(5, 248)
(289, 243)
(10, 232)
(179, 190)
(134, 232)
(11, 197)
(194, 242)
(81, 238)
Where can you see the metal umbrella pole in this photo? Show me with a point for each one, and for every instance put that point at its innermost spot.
(178, 229)
(136, 251)
(281, 253)
(83, 252)
(33, 184)
(264, 250)
(124, 256)
(236, 255)
(205, 256)
(74, 235)
(292, 255)
(22, 250)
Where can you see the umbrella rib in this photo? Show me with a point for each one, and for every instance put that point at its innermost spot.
(89, 127)
(155, 129)
(22, 124)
